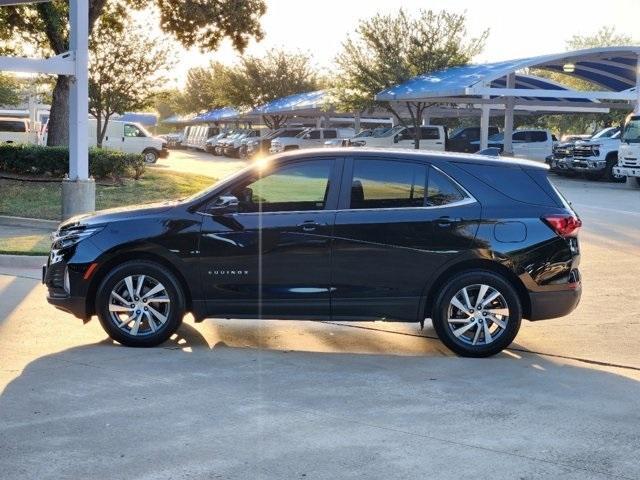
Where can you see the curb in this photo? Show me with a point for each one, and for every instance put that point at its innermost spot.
(48, 225)
(22, 261)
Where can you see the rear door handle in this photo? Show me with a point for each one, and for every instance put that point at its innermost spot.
(308, 225)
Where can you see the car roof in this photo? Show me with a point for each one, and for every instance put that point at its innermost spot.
(427, 156)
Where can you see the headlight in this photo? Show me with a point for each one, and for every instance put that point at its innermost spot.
(71, 237)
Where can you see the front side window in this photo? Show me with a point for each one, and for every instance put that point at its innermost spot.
(387, 184)
(133, 131)
(520, 137)
(314, 135)
(429, 133)
(441, 190)
(297, 187)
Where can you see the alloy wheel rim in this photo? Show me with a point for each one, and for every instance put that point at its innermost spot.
(139, 305)
(149, 157)
(478, 315)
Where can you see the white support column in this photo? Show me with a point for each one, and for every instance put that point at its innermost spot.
(508, 116)
(356, 122)
(394, 121)
(78, 191)
(485, 108)
(318, 122)
(426, 117)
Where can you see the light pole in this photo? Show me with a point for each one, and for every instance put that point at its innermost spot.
(78, 190)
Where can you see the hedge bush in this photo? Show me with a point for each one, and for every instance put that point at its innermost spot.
(54, 161)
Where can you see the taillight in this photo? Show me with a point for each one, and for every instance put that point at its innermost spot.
(564, 225)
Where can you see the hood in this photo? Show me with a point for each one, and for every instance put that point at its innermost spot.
(115, 214)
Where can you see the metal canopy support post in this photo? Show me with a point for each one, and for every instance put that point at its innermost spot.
(426, 117)
(508, 116)
(356, 122)
(484, 124)
(78, 191)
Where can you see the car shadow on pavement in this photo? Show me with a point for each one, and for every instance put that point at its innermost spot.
(236, 401)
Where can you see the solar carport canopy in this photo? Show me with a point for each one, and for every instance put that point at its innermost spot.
(299, 104)
(613, 70)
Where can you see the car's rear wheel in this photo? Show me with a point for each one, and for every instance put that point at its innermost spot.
(140, 304)
(477, 314)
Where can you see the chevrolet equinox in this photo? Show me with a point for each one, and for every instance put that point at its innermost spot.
(473, 243)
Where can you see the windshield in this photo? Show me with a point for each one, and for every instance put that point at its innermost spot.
(364, 133)
(391, 131)
(606, 133)
(632, 130)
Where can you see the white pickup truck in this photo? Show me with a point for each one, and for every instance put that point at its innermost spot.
(597, 157)
(533, 144)
(629, 151)
(309, 138)
(432, 137)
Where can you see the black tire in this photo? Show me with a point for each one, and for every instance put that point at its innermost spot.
(612, 160)
(150, 155)
(440, 314)
(175, 306)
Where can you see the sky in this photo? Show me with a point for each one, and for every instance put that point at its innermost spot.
(517, 29)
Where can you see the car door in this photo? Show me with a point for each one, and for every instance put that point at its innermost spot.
(540, 145)
(520, 144)
(398, 222)
(273, 256)
(134, 139)
(431, 139)
(405, 139)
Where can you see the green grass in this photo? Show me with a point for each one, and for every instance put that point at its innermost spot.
(25, 245)
(43, 200)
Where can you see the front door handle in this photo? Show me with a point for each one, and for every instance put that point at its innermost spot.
(308, 225)
(447, 221)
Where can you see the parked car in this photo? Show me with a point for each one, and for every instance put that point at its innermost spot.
(598, 156)
(473, 243)
(231, 148)
(262, 145)
(461, 139)
(129, 137)
(174, 139)
(628, 164)
(560, 160)
(532, 144)
(309, 138)
(16, 130)
(432, 137)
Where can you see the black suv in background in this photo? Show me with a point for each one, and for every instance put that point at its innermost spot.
(473, 243)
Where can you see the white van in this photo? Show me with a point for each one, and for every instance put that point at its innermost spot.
(432, 137)
(16, 130)
(129, 137)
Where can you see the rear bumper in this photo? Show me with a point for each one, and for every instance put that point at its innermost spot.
(554, 304)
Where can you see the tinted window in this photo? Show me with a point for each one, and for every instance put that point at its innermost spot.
(538, 136)
(330, 134)
(387, 184)
(520, 137)
(441, 190)
(12, 126)
(429, 133)
(302, 186)
(314, 135)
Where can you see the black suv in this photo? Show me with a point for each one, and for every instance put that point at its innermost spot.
(473, 243)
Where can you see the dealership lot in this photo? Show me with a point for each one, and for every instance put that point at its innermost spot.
(249, 399)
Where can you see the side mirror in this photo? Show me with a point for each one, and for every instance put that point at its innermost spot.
(224, 204)
(307, 136)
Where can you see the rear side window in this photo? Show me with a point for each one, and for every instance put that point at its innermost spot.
(512, 181)
(314, 135)
(441, 190)
(429, 133)
(538, 136)
(12, 126)
(520, 137)
(387, 184)
(330, 134)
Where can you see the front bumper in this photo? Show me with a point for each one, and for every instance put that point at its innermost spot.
(58, 295)
(627, 171)
(559, 164)
(587, 165)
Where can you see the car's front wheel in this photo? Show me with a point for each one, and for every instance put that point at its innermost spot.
(150, 155)
(477, 314)
(140, 303)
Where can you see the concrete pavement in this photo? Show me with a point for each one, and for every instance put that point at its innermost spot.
(247, 399)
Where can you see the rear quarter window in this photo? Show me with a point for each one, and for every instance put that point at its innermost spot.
(514, 182)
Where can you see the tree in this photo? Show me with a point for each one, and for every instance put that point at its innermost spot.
(204, 23)
(124, 73)
(9, 91)
(203, 88)
(391, 49)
